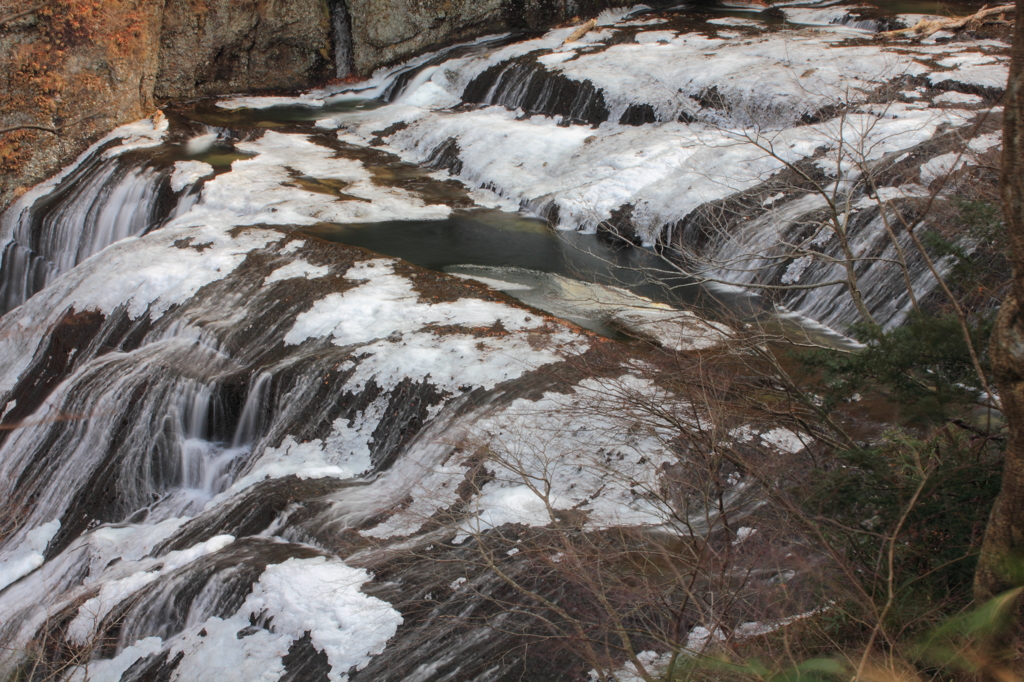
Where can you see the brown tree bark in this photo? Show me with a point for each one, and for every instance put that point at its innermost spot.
(1001, 564)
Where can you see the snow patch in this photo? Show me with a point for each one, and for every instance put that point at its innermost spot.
(387, 302)
(267, 102)
(295, 269)
(28, 555)
(186, 173)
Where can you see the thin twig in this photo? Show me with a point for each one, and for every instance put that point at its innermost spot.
(53, 130)
(19, 15)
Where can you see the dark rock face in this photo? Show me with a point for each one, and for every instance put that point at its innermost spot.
(388, 31)
(217, 46)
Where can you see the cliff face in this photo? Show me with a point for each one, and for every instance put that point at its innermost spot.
(411, 26)
(74, 69)
(386, 31)
(210, 47)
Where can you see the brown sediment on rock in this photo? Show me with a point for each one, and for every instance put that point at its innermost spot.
(73, 70)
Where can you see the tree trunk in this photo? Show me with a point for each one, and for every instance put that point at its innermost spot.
(1001, 564)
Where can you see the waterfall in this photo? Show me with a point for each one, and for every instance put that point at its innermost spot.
(105, 200)
(758, 251)
(255, 412)
(208, 427)
(405, 78)
(527, 85)
(163, 418)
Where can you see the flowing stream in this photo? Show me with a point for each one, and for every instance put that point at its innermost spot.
(228, 409)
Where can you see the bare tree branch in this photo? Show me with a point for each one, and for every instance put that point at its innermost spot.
(53, 130)
(19, 15)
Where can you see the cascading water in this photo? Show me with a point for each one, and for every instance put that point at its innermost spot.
(761, 251)
(107, 198)
(530, 87)
(639, 126)
(217, 433)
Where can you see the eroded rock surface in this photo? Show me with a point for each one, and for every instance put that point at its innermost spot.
(219, 46)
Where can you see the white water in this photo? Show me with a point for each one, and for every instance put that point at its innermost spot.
(109, 198)
(224, 402)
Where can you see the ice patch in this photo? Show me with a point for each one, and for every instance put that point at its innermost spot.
(982, 143)
(934, 38)
(387, 302)
(796, 269)
(954, 97)
(320, 596)
(734, 21)
(264, 190)
(560, 452)
(650, 37)
(111, 670)
(297, 268)
(496, 284)
(28, 555)
(941, 166)
(677, 330)
(887, 194)
(149, 279)
(149, 132)
(743, 534)
(186, 173)
(784, 440)
(969, 58)
(555, 58)
(267, 102)
(344, 454)
(991, 76)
